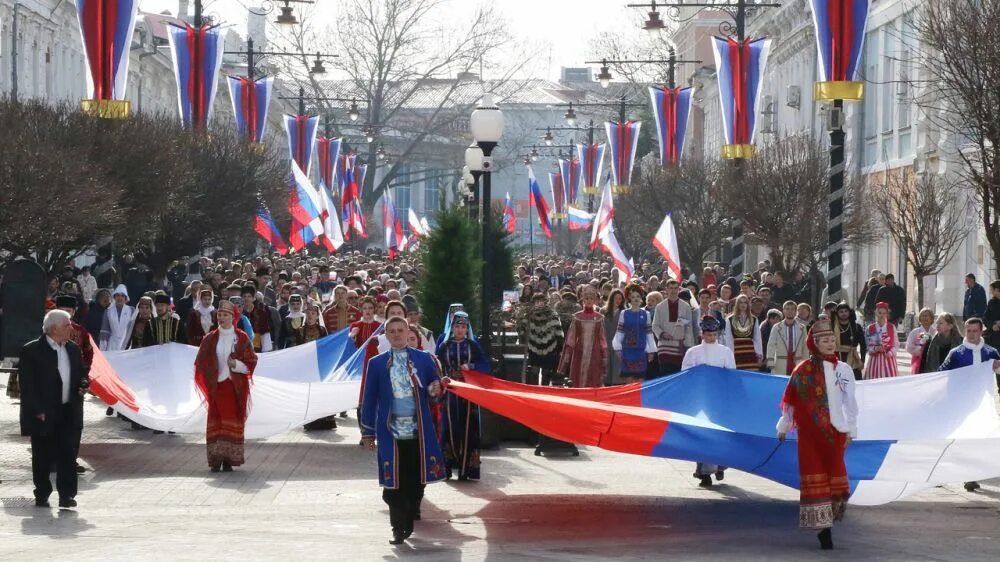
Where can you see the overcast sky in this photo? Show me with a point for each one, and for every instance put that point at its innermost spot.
(560, 28)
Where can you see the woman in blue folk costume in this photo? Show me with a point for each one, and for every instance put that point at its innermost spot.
(460, 352)
(633, 339)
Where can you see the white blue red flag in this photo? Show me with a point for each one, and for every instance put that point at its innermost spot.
(306, 207)
(570, 170)
(395, 240)
(740, 71)
(591, 157)
(604, 217)
(417, 229)
(536, 200)
(327, 158)
(509, 217)
(351, 213)
(840, 38)
(623, 138)
(250, 103)
(301, 130)
(666, 242)
(671, 108)
(579, 219)
(265, 227)
(197, 56)
(106, 28)
(558, 195)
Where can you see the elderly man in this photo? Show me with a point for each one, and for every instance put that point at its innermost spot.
(53, 383)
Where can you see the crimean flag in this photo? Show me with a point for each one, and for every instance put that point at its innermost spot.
(333, 235)
(558, 195)
(840, 38)
(328, 158)
(579, 219)
(623, 138)
(301, 130)
(604, 217)
(591, 157)
(666, 242)
(740, 71)
(197, 56)
(623, 264)
(251, 101)
(417, 229)
(671, 108)
(265, 227)
(570, 170)
(509, 217)
(106, 28)
(536, 200)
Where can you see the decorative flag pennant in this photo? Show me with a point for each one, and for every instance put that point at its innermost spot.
(604, 217)
(740, 71)
(106, 28)
(671, 108)
(417, 229)
(509, 218)
(197, 56)
(394, 239)
(333, 235)
(536, 200)
(666, 242)
(306, 207)
(301, 130)
(579, 219)
(265, 227)
(570, 171)
(558, 195)
(591, 157)
(328, 157)
(623, 138)
(251, 101)
(623, 264)
(840, 38)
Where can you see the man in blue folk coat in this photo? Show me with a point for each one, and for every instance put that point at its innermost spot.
(396, 420)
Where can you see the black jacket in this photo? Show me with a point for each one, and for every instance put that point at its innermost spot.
(41, 386)
(895, 296)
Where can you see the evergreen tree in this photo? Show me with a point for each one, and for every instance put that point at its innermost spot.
(451, 268)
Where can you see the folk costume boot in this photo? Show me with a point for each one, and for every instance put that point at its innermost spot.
(826, 539)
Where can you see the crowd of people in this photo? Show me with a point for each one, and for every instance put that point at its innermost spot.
(579, 325)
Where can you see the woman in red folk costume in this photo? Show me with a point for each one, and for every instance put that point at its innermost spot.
(819, 403)
(585, 349)
(880, 338)
(223, 373)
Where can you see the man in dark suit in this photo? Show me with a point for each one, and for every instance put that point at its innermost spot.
(53, 383)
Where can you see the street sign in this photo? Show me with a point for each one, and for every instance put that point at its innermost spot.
(22, 296)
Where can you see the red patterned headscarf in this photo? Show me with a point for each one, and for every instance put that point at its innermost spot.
(820, 328)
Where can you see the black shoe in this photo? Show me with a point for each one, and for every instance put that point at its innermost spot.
(109, 412)
(416, 516)
(137, 426)
(397, 538)
(408, 532)
(42, 503)
(706, 482)
(972, 486)
(825, 539)
(226, 467)
(157, 432)
(67, 503)
(80, 469)
(216, 468)
(720, 475)
(343, 415)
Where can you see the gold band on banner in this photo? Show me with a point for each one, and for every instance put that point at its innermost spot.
(558, 216)
(847, 91)
(257, 147)
(738, 151)
(621, 189)
(107, 109)
(590, 191)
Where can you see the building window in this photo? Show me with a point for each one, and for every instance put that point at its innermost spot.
(432, 195)
(888, 78)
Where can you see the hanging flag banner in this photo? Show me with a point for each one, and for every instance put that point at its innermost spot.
(197, 57)
(536, 200)
(579, 219)
(571, 172)
(623, 138)
(558, 195)
(591, 157)
(840, 38)
(671, 108)
(251, 101)
(666, 242)
(106, 28)
(301, 130)
(265, 227)
(509, 217)
(328, 158)
(740, 71)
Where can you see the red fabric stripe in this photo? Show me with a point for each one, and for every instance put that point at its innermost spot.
(250, 108)
(105, 39)
(190, 40)
(201, 101)
(300, 135)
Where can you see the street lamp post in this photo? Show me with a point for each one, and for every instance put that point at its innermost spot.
(486, 125)
(474, 162)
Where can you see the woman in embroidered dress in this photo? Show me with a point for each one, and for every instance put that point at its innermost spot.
(633, 341)
(612, 312)
(819, 403)
(223, 373)
(742, 335)
(457, 354)
(880, 338)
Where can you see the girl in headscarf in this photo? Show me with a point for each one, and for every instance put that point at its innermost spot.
(460, 353)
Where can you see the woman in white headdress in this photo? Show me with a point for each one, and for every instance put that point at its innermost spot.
(117, 324)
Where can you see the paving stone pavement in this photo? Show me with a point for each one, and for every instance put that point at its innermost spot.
(309, 496)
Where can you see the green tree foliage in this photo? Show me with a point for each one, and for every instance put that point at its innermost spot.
(451, 268)
(501, 243)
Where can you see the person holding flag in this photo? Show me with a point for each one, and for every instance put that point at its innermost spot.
(536, 200)
(509, 218)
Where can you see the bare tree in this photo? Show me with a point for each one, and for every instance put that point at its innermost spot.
(405, 63)
(961, 66)
(926, 215)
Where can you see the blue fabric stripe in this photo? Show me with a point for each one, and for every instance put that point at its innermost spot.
(333, 351)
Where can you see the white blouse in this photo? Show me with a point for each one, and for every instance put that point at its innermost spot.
(225, 346)
(840, 395)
